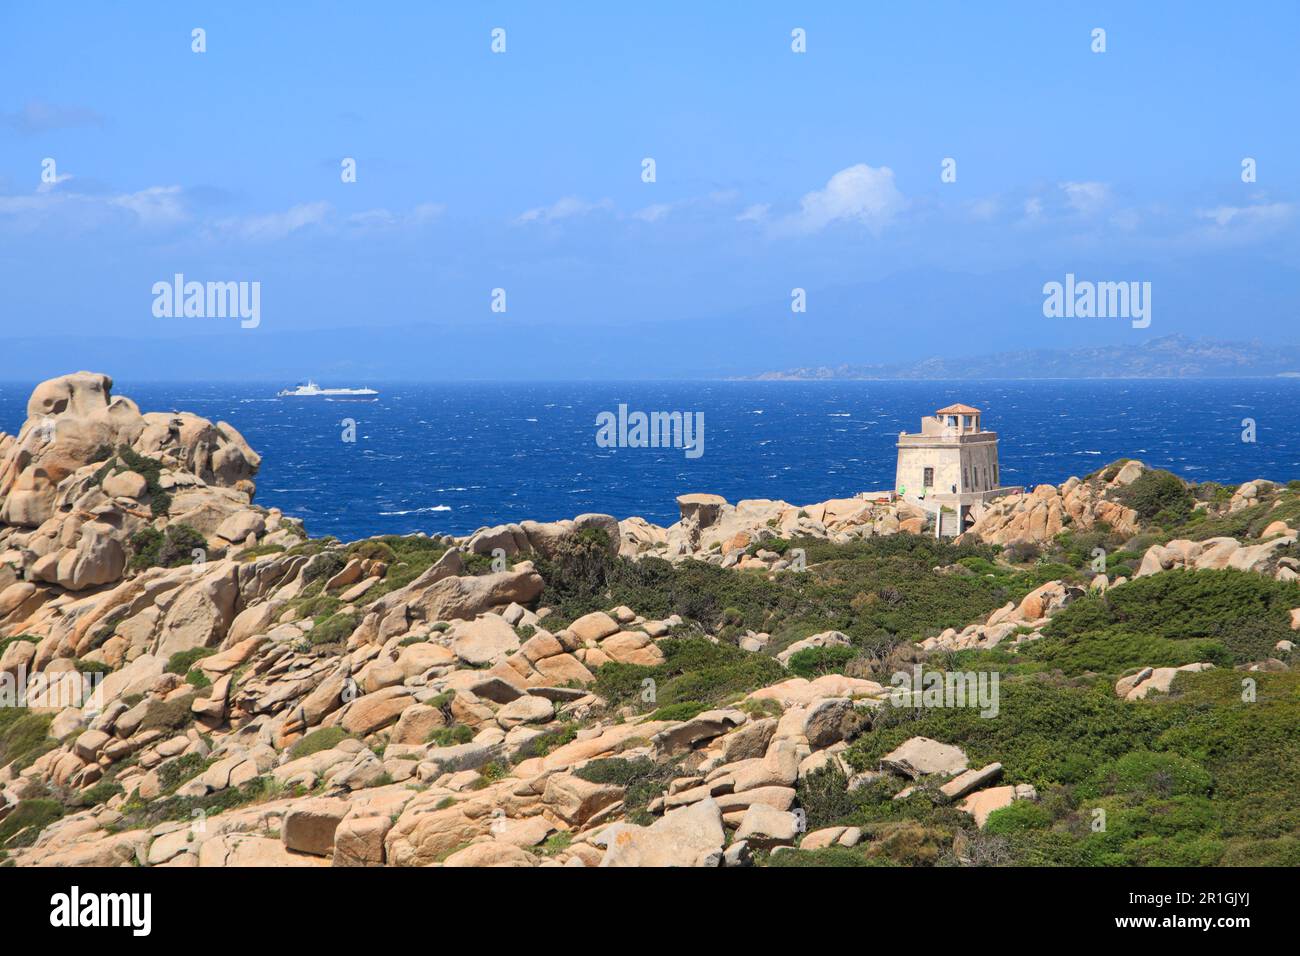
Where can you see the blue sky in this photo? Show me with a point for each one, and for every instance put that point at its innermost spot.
(522, 171)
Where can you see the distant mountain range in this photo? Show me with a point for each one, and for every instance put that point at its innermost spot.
(1170, 356)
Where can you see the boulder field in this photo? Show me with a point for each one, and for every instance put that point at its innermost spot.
(207, 686)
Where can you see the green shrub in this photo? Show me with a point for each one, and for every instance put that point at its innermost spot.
(682, 711)
(101, 792)
(544, 743)
(694, 671)
(813, 662)
(1020, 815)
(642, 780)
(407, 557)
(327, 738)
(1147, 774)
(169, 715)
(259, 551)
(825, 798)
(323, 566)
(334, 629)
(180, 769)
(834, 856)
(576, 572)
(24, 736)
(26, 638)
(1158, 493)
(25, 823)
(450, 736)
(170, 548)
(1165, 620)
(182, 661)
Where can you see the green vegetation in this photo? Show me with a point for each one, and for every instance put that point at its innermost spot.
(25, 823)
(544, 743)
(1200, 777)
(137, 814)
(450, 736)
(694, 672)
(813, 662)
(24, 736)
(1158, 496)
(169, 715)
(873, 589)
(334, 629)
(1163, 620)
(642, 780)
(170, 548)
(25, 638)
(407, 557)
(150, 469)
(259, 551)
(177, 771)
(327, 738)
(683, 711)
(183, 661)
(101, 792)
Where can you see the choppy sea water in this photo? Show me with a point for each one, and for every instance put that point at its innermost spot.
(454, 457)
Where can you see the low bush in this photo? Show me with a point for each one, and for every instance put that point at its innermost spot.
(327, 738)
(169, 548)
(182, 661)
(25, 822)
(334, 629)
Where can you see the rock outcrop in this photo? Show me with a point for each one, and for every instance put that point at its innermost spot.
(89, 477)
(331, 709)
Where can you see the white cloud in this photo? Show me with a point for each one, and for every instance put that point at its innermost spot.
(859, 193)
(1257, 215)
(155, 206)
(1086, 198)
(276, 225)
(653, 213)
(565, 208)
(755, 213)
(983, 209)
(53, 203)
(426, 212)
(377, 219)
(59, 180)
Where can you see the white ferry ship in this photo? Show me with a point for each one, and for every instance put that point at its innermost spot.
(310, 389)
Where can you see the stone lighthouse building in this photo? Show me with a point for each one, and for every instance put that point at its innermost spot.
(950, 468)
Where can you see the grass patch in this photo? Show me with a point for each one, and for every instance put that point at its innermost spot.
(327, 738)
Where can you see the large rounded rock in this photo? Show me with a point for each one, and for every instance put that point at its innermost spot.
(484, 640)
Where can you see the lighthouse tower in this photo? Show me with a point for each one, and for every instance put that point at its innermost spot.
(950, 468)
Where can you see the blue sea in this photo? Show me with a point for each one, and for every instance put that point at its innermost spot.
(453, 457)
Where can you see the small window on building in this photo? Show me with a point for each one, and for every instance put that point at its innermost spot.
(928, 479)
(952, 420)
